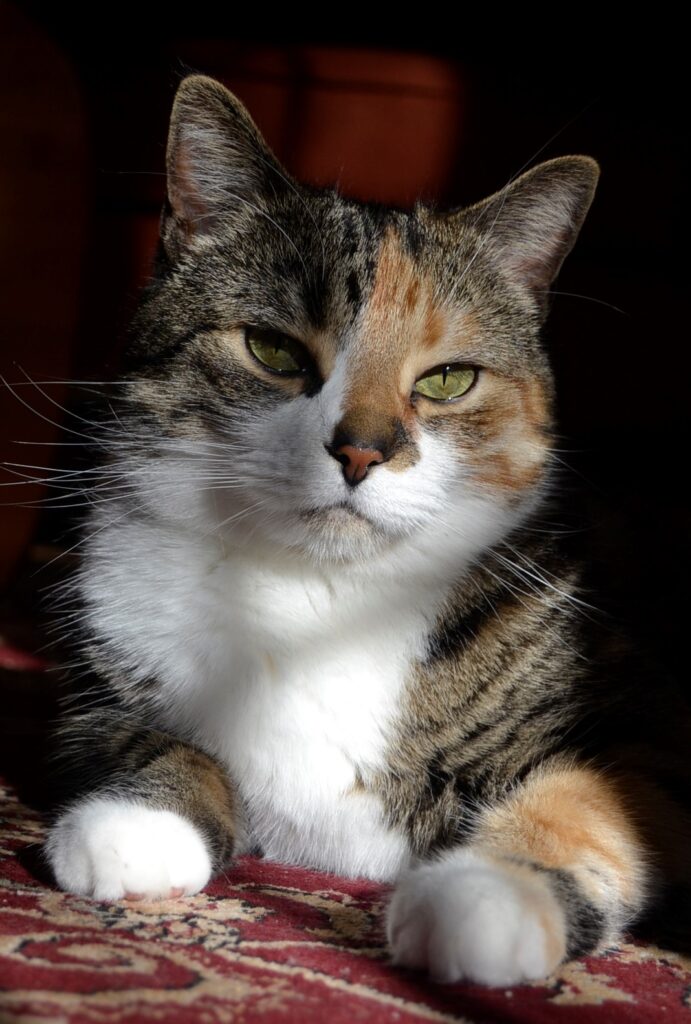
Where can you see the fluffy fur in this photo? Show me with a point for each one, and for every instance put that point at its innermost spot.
(393, 679)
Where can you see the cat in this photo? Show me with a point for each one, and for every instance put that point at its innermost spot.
(320, 613)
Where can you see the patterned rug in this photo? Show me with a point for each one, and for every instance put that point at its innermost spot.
(272, 944)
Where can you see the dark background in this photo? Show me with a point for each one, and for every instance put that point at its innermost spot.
(391, 113)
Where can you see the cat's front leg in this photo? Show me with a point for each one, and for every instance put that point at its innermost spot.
(161, 822)
(551, 872)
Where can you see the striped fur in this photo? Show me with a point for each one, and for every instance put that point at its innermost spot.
(390, 674)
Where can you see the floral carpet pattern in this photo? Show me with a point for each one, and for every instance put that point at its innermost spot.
(268, 943)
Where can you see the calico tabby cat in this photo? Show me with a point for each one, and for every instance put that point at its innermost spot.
(322, 617)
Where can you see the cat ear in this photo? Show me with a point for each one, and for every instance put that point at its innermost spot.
(218, 164)
(531, 224)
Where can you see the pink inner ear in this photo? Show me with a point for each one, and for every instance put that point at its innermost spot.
(536, 267)
(183, 191)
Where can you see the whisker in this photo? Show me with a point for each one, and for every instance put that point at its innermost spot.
(68, 412)
(588, 298)
(86, 540)
(41, 416)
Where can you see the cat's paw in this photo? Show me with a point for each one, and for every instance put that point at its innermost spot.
(111, 848)
(471, 917)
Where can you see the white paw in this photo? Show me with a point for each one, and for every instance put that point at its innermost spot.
(474, 917)
(110, 848)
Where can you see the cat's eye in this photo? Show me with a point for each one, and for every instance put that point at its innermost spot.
(446, 382)
(278, 352)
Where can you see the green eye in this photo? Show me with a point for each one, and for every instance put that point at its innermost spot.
(446, 382)
(277, 351)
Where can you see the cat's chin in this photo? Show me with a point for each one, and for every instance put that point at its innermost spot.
(338, 517)
(341, 533)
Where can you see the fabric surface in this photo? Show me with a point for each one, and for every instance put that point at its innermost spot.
(268, 944)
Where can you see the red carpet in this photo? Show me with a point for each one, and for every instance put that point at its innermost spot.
(270, 944)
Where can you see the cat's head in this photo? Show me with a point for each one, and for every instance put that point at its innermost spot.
(344, 379)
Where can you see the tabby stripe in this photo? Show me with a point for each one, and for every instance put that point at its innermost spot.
(586, 923)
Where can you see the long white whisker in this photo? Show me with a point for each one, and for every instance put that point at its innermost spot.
(90, 537)
(46, 419)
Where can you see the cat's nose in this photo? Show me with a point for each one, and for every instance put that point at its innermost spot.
(356, 462)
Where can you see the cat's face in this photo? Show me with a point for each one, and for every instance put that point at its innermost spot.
(334, 377)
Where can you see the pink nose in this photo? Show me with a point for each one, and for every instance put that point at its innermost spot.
(356, 462)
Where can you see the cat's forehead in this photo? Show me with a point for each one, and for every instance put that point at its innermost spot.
(406, 314)
(402, 291)
(387, 281)
(392, 262)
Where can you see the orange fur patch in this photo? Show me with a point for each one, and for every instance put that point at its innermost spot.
(573, 818)
(399, 323)
(400, 326)
(514, 425)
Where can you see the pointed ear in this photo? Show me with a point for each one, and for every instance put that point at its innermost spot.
(531, 224)
(217, 161)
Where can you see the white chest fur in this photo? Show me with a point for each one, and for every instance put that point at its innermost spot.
(293, 677)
